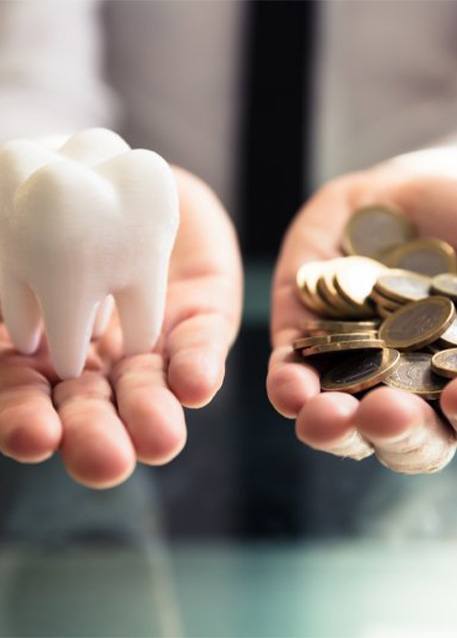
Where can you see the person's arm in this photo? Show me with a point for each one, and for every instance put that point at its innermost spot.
(50, 68)
(403, 430)
(121, 409)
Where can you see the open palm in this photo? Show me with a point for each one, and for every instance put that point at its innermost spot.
(121, 410)
(404, 431)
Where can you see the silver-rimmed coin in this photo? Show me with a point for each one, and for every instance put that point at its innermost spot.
(317, 340)
(445, 284)
(403, 285)
(413, 373)
(360, 371)
(418, 323)
(444, 363)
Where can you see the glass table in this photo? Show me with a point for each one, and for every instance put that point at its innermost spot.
(246, 535)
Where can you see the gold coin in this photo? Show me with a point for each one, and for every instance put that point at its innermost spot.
(311, 289)
(313, 303)
(418, 323)
(359, 311)
(414, 373)
(329, 311)
(328, 326)
(341, 346)
(373, 229)
(403, 286)
(384, 313)
(426, 256)
(307, 270)
(329, 294)
(444, 363)
(307, 276)
(355, 278)
(361, 371)
(445, 284)
(385, 302)
(350, 307)
(315, 340)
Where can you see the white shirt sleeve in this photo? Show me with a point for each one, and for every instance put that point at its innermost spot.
(51, 68)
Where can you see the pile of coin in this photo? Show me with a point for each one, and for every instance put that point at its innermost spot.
(387, 312)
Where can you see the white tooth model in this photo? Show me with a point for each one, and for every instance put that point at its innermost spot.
(78, 224)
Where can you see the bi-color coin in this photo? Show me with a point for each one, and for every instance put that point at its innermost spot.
(373, 229)
(317, 340)
(343, 346)
(418, 323)
(427, 256)
(444, 363)
(403, 285)
(329, 326)
(445, 284)
(414, 373)
(360, 371)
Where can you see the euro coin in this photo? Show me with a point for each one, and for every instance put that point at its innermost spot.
(328, 293)
(445, 284)
(418, 323)
(425, 256)
(403, 285)
(328, 326)
(306, 342)
(355, 278)
(387, 303)
(444, 363)
(314, 302)
(449, 337)
(307, 276)
(360, 371)
(383, 312)
(373, 229)
(414, 373)
(342, 346)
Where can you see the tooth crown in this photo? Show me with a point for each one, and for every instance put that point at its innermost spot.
(78, 224)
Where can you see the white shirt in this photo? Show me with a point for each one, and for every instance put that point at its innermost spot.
(168, 75)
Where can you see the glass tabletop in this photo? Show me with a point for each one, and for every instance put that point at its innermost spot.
(246, 535)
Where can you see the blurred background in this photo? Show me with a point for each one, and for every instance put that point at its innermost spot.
(246, 533)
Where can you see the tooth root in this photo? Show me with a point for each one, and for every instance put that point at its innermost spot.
(69, 322)
(21, 314)
(103, 316)
(141, 310)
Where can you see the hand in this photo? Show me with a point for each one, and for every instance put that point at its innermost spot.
(126, 409)
(402, 430)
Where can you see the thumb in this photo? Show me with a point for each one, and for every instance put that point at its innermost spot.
(424, 186)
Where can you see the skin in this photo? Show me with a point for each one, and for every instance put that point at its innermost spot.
(402, 430)
(124, 410)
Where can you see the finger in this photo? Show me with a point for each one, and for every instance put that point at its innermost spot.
(96, 448)
(405, 431)
(197, 349)
(423, 184)
(206, 243)
(290, 382)
(151, 413)
(326, 423)
(448, 401)
(204, 295)
(310, 237)
(30, 429)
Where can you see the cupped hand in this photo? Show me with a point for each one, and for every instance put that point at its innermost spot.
(123, 410)
(404, 431)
